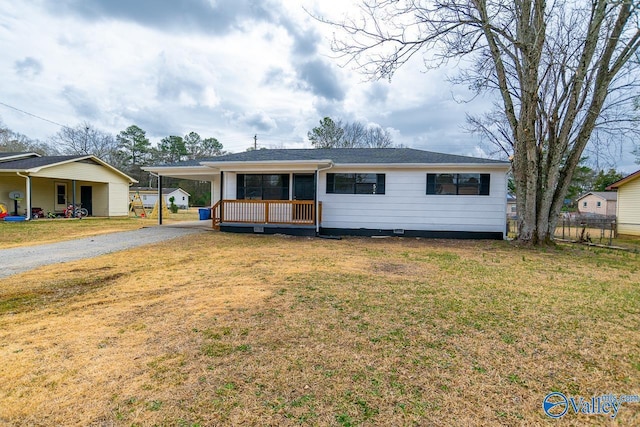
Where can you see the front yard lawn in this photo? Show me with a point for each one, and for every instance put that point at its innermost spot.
(224, 329)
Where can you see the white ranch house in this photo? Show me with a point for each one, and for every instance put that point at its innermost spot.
(359, 191)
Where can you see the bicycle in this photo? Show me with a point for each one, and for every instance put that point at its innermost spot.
(78, 212)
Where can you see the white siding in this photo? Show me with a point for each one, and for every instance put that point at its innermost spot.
(629, 208)
(230, 186)
(405, 204)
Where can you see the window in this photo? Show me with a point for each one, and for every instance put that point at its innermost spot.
(61, 194)
(598, 204)
(263, 187)
(461, 184)
(584, 204)
(355, 183)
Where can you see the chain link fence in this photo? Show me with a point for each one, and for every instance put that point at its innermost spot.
(577, 228)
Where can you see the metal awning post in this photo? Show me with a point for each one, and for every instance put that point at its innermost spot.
(159, 199)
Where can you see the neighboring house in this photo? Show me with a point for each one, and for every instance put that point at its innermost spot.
(358, 191)
(51, 183)
(149, 196)
(598, 203)
(512, 210)
(628, 210)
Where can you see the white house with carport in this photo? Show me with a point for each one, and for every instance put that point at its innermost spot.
(149, 196)
(51, 183)
(353, 191)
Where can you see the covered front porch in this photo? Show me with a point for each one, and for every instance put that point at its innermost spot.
(267, 216)
(259, 197)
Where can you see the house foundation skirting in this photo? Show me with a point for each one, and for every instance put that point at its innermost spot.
(487, 235)
(293, 230)
(269, 229)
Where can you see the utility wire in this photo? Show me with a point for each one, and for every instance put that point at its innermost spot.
(33, 115)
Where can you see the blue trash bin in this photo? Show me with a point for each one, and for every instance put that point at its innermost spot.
(205, 213)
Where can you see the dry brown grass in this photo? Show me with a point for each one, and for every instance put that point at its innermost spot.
(222, 329)
(35, 232)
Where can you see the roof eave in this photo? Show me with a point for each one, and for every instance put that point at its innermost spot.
(623, 181)
(428, 165)
(227, 164)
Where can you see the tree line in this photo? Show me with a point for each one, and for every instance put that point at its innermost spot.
(127, 151)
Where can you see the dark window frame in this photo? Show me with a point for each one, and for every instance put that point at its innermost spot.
(356, 183)
(257, 186)
(459, 181)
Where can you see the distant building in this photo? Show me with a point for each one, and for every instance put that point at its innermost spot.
(149, 196)
(512, 210)
(598, 203)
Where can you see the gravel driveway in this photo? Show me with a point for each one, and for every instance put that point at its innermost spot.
(18, 260)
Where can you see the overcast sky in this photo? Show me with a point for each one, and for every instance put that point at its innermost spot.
(228, 69)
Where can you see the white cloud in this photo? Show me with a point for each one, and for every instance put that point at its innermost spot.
(223, 69)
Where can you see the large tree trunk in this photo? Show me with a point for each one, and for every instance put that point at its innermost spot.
(553, 64)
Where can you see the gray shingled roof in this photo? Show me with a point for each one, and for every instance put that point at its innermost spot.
(35, 162)
(345, 156)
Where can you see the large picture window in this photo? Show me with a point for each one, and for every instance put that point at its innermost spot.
(460, 184)
(263, 187)
(355, 183)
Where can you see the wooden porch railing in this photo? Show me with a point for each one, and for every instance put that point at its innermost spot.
(292, 212)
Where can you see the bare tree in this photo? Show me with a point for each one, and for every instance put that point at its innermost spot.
(336, 134)
(377, 137)
(85, 139)
(353, 133)
(16, 142)
(562, 69)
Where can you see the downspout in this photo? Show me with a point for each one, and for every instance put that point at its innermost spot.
(317, 202)
(28, 196)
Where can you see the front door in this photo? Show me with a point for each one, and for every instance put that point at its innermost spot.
(61, 196)
(304, 188)
(86, 196)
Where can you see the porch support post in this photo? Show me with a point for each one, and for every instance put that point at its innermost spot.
(159, 199)
(221, 196)
(315, 201)
(73, 197)
(28, 196)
